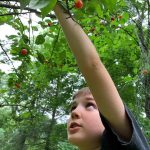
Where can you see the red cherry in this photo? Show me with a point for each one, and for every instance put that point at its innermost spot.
(78, 4)
(120, 17)
(112, 19)
(17, 85)
(93, 29)
(24, 52)
(50, 24)
(145, 72)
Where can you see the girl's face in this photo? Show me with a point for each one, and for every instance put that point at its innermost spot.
(84, 126)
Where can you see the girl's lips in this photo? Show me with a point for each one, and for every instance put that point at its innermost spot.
(74, 129)
(74, 124)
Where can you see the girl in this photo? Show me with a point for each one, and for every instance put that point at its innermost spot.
(117, 129)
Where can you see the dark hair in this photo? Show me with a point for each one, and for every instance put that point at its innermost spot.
(82, 91)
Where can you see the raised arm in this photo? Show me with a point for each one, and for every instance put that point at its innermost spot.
(96, 75)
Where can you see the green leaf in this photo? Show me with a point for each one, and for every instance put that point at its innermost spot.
(109, 4)
(25, 38)
(126, 16)
(48, 8)
(39, 39)
(2, 131)
(12, 37)
(4, 19)
(38, 4)
(34, 28)
(24, 3)
(2, 91)
(93, 5)
(25, 115)
(10, 82)
(99, 11)
(41, 57)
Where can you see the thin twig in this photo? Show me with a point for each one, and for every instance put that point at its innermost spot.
(55, 42)
(136, 41)
(9, 59)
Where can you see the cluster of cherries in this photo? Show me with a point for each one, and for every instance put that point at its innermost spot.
(23, 52)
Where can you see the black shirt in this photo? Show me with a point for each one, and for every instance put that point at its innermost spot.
(111, 141)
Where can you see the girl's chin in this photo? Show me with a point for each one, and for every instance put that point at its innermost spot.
(76, 139)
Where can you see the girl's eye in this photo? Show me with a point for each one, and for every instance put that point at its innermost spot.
(90, 106)
(72, 108)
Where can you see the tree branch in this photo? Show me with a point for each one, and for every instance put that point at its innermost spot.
(148, 28)
(10, 14)
(10, 1)
(26, 8)
(138, 23)
(11, 105)
(126, 31)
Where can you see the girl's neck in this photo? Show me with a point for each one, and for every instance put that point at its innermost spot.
(90, 147)
(97, 148)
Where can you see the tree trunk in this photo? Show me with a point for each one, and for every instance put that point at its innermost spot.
(147, 106)
(52, 122)
(20, 141)
(147, 96)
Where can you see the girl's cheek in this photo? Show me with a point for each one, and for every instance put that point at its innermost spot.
(67, 117)
(68, 120)
(68, 124)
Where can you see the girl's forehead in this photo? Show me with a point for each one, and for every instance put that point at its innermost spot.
(83, 97)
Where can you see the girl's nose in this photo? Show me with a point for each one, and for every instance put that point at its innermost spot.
(76, 113)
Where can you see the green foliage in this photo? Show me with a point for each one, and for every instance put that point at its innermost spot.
(38, 4)
(48, 8)
(40, 39)
(65, 146)
(4, 19)
(36, 95)
(24, 3)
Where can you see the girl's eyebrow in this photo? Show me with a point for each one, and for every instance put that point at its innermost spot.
(88, 98)
(73, 103)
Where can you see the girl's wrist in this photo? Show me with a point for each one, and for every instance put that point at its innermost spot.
(60, 6)
(57, 7)
(61, 10)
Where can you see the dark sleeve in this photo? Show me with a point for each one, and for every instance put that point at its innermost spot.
(111, 141)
